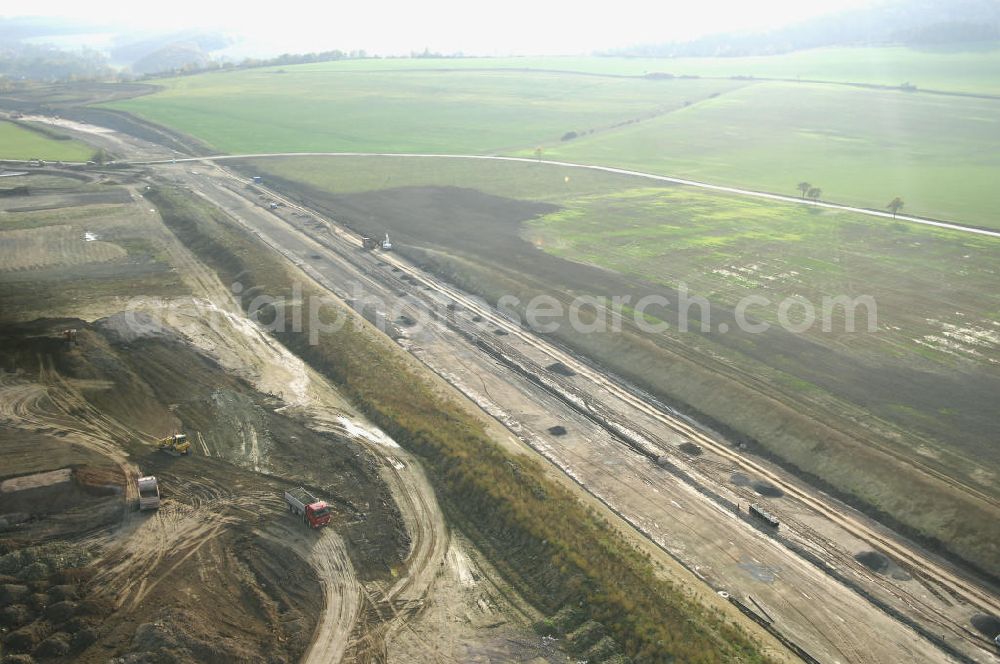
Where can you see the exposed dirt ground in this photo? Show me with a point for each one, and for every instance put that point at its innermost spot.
(221, 572)
(815, 591)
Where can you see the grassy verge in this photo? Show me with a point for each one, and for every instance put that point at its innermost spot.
(558, 554)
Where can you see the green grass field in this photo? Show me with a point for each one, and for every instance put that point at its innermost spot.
(309, 109)
(728, 248)
(16, 142)
(970, 72)
(863, 147)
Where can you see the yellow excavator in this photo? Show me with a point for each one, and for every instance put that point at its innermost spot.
(175, 445)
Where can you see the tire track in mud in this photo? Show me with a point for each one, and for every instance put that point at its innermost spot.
(53, 403)
(425, 524)
(403, 600)
(326, 553)
(342, 593)
(388, 608)
(146, 550)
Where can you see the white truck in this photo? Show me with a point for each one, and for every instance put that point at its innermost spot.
(149, 493)
(314, 512)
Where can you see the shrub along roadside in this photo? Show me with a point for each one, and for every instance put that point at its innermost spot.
(560, 555)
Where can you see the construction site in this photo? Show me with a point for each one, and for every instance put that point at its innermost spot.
(181, 483)
(153, 438)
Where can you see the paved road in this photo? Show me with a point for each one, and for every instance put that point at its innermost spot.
(950, 225)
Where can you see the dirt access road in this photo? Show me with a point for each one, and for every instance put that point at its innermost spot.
(807, 576)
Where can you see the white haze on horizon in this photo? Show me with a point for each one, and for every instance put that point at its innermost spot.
(393, 27)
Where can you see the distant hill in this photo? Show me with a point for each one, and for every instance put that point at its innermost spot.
(917, 23)
(40, 62)
(165, 52)
(52, 49)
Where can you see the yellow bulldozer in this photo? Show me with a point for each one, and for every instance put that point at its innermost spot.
(175, 445)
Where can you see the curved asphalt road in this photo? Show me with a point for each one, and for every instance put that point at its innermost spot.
(607, 169)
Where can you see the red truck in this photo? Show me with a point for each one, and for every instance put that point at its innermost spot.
(313, 511)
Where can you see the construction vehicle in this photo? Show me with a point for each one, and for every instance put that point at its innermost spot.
(759, 512)
(149, 493)
(369, 243)
(175, 445)
(314, 512)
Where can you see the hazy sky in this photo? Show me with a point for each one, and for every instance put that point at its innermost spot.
(401, 26)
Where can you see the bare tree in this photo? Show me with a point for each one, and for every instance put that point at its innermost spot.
(814, 193)
(895, 205)
(804, 187)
